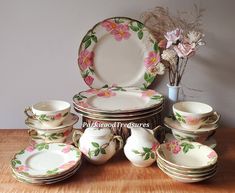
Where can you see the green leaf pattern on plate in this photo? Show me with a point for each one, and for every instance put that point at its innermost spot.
(187, 146)
(42, 146)
(179, 117)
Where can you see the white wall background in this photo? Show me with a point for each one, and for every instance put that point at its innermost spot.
(39, 40)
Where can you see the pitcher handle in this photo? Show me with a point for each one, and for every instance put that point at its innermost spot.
(76, 137)
(120, 142)
(27, 114)
(159, 133)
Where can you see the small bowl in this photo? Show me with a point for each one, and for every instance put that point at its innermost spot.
(193, 115)
(187, 155)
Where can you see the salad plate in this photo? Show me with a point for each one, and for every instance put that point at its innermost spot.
(45, 160)
(70, 120)
(119, 51)
(118, 100)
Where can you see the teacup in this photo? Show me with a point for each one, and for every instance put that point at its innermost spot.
(50, 135)
(50, 113)
(193, 115)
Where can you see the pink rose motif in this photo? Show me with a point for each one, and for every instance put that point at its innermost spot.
(121, 32)
(152, 59)
(31, 147)
(67, 165)
(184, 50)
(92, 91)
(192, 120)
(66, 149)
(85, 59)
(57, 116)
(173, 146)
(154, 147)
(89, 80)
(22, 169)
(148, 93)
(83, 104)
(109, 25)
(173, 36)
(106, 93)
(66, 133)
(211, 155)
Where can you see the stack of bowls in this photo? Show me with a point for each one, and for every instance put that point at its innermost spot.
(193, 121)
(186, 161)
(50, 122)
(45, 163)
(115, 107)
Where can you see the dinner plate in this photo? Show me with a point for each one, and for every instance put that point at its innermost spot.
(118, 100)
(70, 120)
(45, 160)
(119, 51)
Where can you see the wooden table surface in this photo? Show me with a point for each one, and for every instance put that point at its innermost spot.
(119, 175)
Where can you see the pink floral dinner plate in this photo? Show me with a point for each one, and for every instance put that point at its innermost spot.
(45, 160)
(118, 99)
(119, 51)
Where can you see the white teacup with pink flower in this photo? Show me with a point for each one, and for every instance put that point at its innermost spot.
(193, 115)
(50, 113)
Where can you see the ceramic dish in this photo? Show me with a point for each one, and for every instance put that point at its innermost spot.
(211, 142)
(187, 155)
(45, 160)
(189, 173)
(69, 121)
(174, 124)
(119, 115)
(123, 119)
(133, 54)
(123, 116)
(118, 100)
(188, 179)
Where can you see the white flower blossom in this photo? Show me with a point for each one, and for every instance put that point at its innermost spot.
(169, 55)
(195, 37)
(160, 68)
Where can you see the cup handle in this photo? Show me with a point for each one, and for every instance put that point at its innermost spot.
(214, 118)
(120, 142)
(159, 133)
(29, 109)
(76, 137)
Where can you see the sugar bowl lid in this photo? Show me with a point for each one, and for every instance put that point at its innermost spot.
(118, 51)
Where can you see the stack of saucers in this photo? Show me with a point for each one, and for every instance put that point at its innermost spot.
(118, 104)
(45, 163)
(186, 161)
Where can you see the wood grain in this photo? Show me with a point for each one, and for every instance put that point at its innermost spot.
(118, 175)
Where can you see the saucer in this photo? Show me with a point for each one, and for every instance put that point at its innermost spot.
(36, 124)
(174, 124)
(211, 142)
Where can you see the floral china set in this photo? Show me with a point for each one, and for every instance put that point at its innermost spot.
(118, 59)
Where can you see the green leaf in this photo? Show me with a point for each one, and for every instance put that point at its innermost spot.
(147, 156)
(183, 121)
(87, 37)
(90, 153)
(87, 43)
(151, 79)
(105, 86)
(102, 150)
(177, 114)
(140, 34)
(152, 155)
(155, 47)
(66, 114)
(146, 76)
(134, 28)
(157, 97)
(136, 152)
(95, 144)
(21, 152)
(13, 163)
(96, 152)
(146, 149)
(94, 38)
(92, 71)
(140, 25)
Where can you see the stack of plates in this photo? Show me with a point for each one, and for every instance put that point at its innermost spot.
(187, 162)
(46, 163)
(118, 59)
